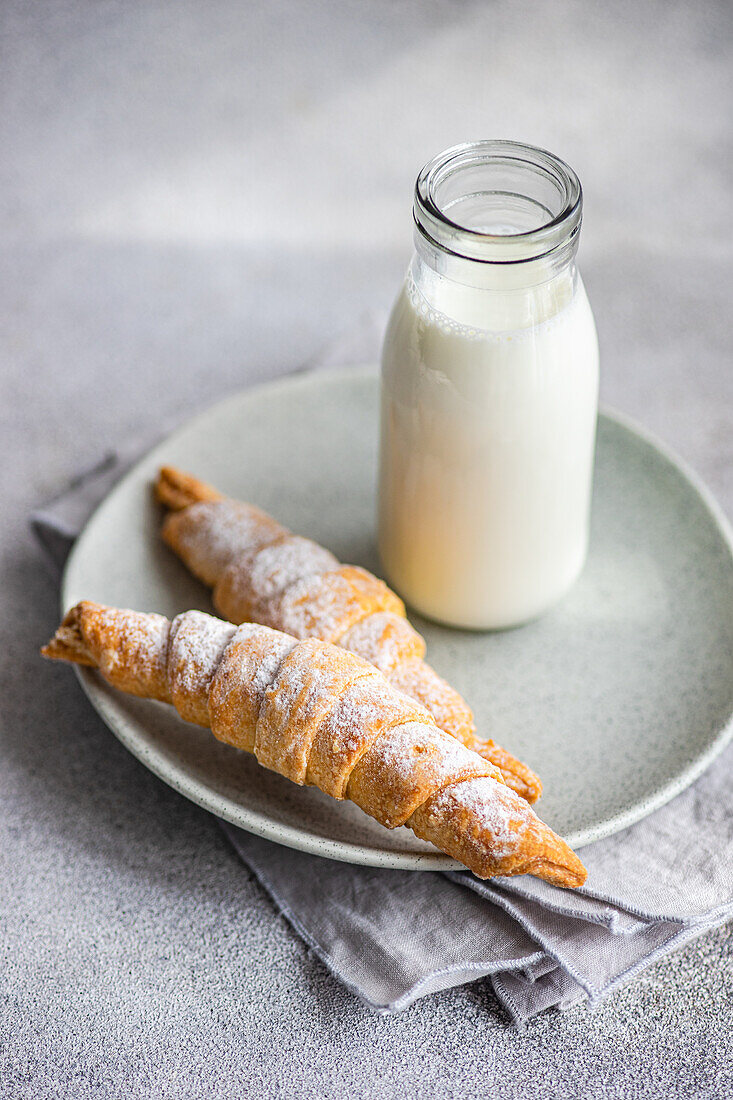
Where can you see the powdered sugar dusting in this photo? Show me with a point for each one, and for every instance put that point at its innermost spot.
(365, 713)
(316, 607)
(252, 585)
(384, 639)
(493, 814)
(213, 533)
(136, 662)
(197, 643)
(307, 686)
(277, 566)
(406, 766)
(367, 707)
(273, 648)
(437, 755)
(318, 674)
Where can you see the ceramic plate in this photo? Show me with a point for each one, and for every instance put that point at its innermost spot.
(619, 697)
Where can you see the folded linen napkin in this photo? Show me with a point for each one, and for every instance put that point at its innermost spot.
(394, 936)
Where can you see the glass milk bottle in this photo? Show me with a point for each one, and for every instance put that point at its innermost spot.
(489, 392)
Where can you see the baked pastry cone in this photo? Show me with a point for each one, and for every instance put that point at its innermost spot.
(320, 715)
(262, 573)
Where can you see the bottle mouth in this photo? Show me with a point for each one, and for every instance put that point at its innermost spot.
(498, 202)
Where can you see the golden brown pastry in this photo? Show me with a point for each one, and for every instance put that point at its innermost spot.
(262, 573)
(320, 715)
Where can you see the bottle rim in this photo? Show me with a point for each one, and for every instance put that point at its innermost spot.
(558, 233)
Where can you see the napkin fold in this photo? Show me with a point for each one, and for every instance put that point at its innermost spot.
(394, 936)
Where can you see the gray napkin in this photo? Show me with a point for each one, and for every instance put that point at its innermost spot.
(393, 936)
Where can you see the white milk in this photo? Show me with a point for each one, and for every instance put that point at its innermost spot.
(488, 424)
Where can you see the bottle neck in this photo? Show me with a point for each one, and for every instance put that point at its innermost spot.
(497, 226)
(491, 297)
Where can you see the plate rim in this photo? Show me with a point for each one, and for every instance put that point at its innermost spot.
(258, 824)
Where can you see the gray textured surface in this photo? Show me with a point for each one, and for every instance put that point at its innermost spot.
(178, 195)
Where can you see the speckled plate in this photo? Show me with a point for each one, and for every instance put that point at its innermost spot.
(619, 698)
